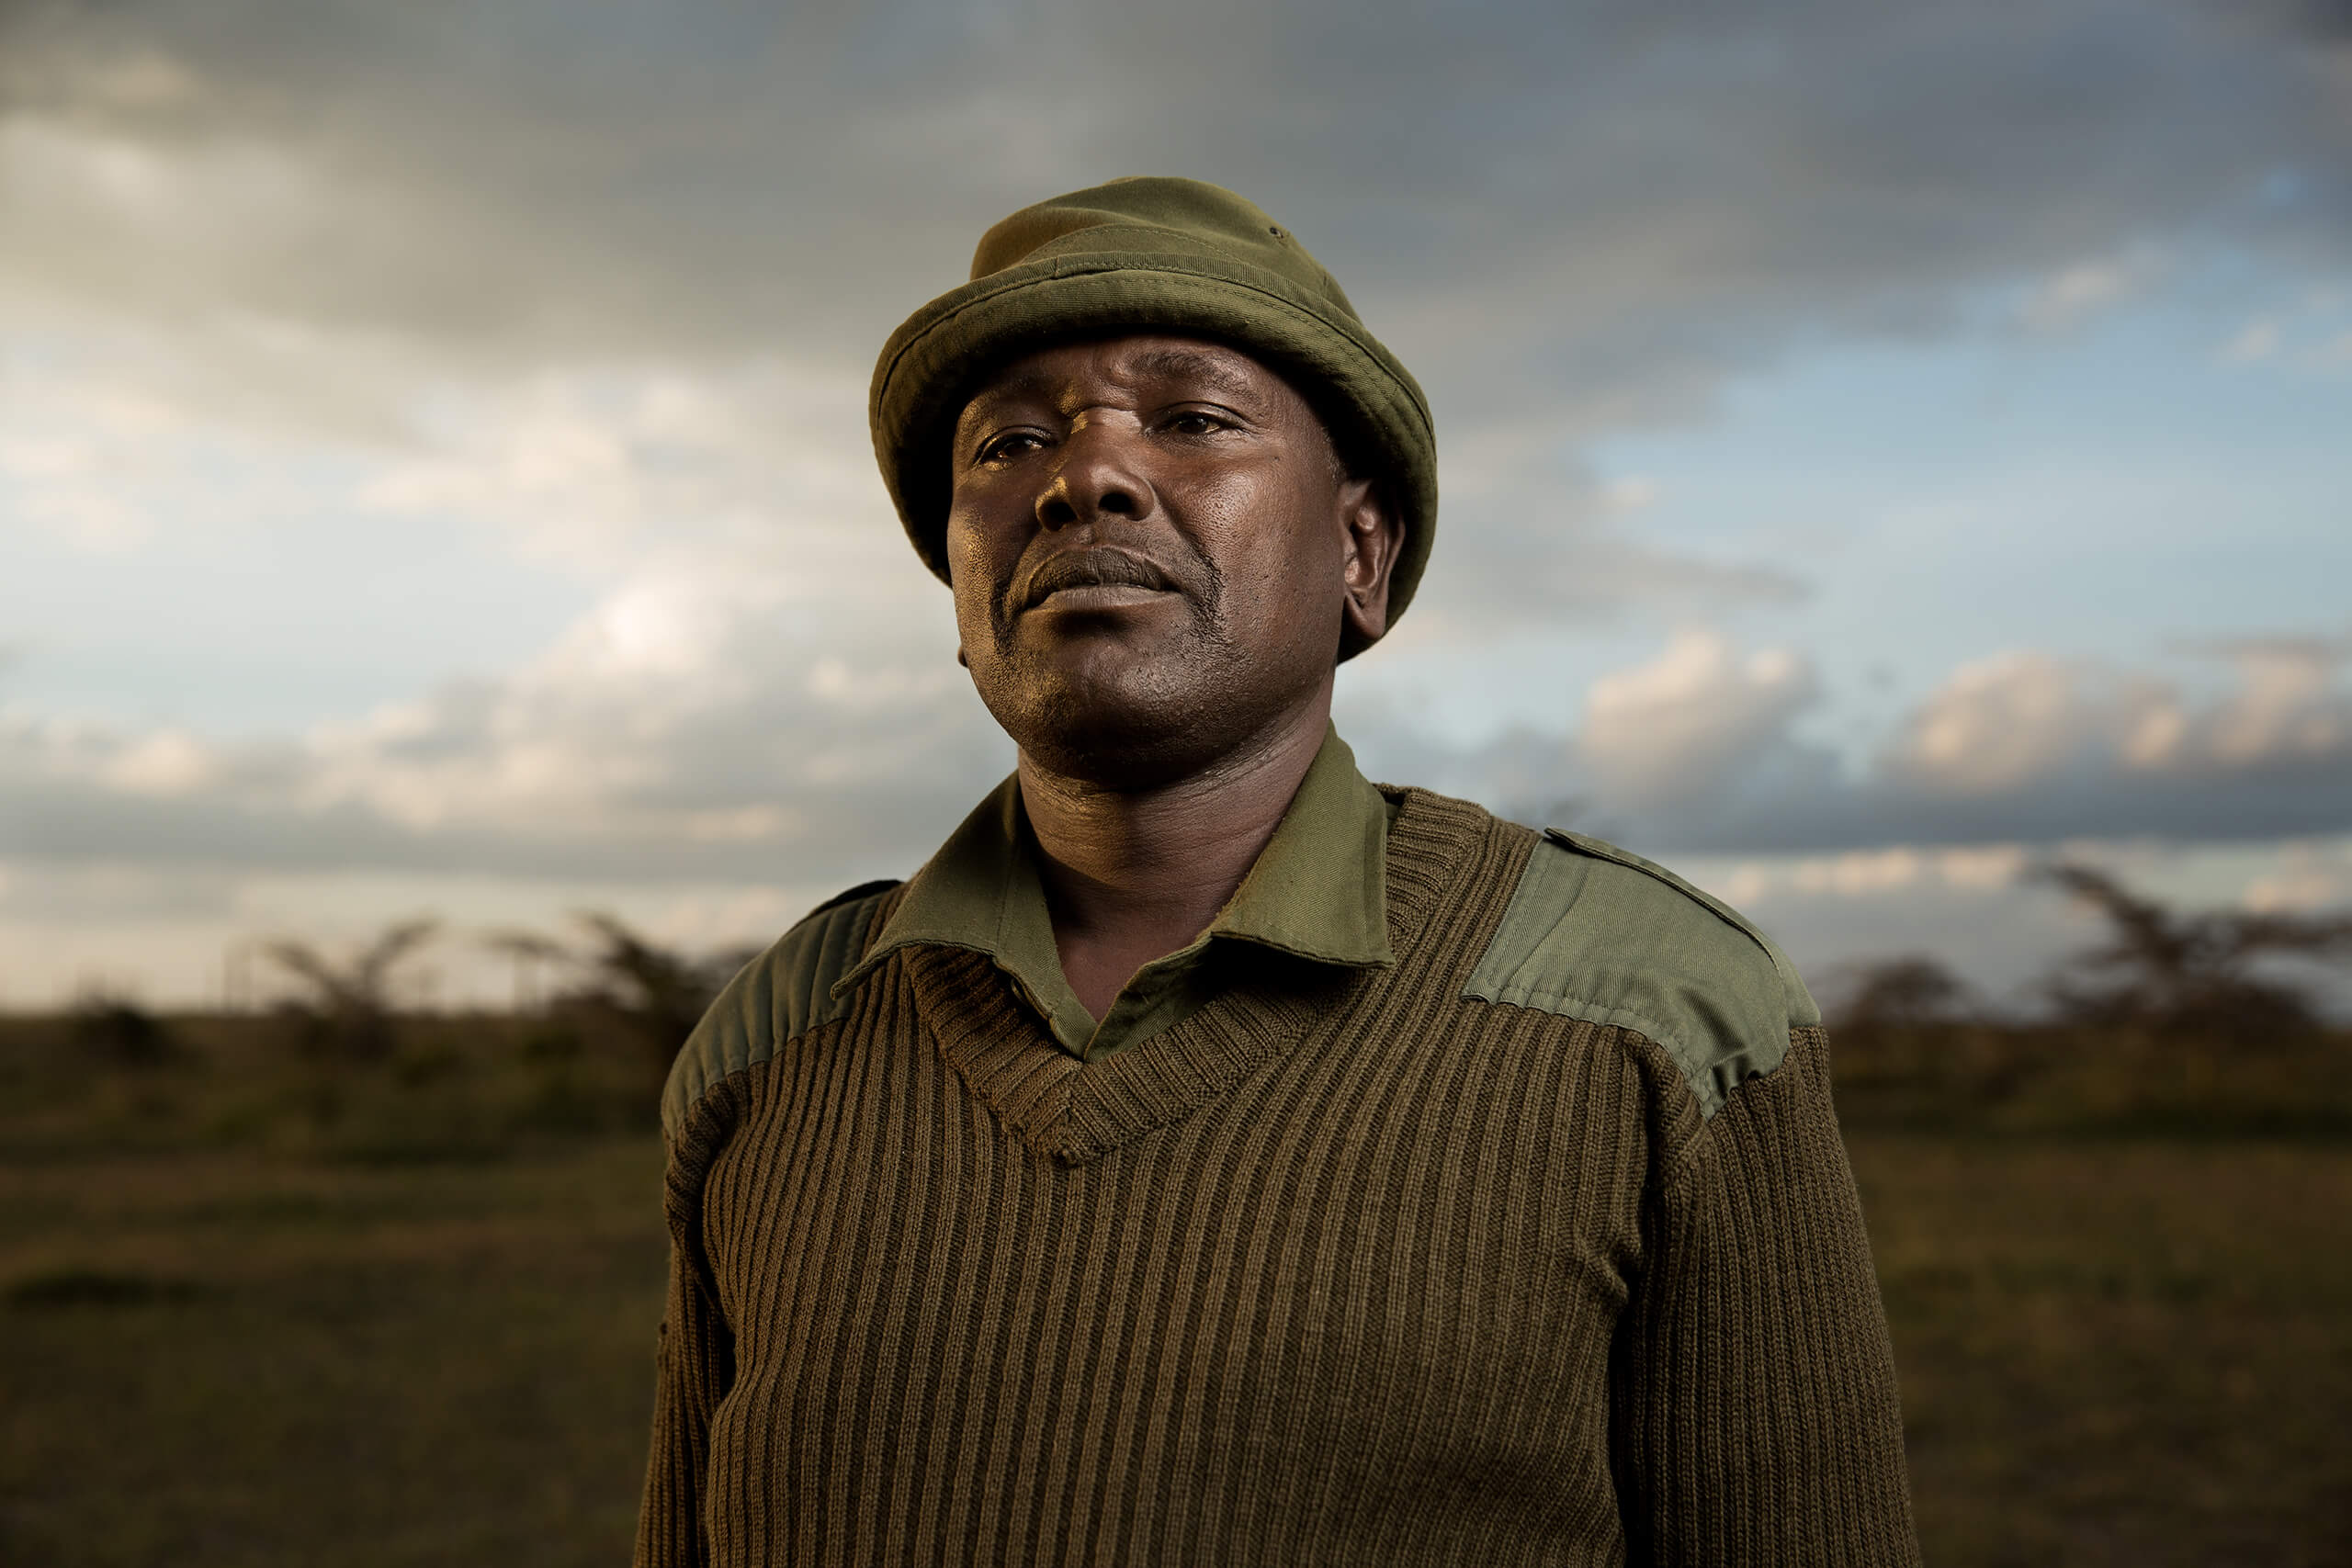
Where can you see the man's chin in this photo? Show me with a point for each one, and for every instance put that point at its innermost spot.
(1121, 723)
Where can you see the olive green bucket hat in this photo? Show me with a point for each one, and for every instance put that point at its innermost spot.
(1150, 254)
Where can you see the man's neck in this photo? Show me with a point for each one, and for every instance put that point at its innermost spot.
(1131, 876)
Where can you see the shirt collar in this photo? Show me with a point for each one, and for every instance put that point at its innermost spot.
(1319, 890)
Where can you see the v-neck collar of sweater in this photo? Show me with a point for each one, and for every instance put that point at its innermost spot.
(1317, 892)
(1073, 1110)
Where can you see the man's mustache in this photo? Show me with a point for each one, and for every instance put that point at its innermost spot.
(1101, 567)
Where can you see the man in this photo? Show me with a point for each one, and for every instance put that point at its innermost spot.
(1209, 1157)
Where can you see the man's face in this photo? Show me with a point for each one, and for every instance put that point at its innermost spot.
(1154, 552)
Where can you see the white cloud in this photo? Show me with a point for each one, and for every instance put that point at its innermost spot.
(2254, 342)
(1629, 493)
(605, 467)
(2024, 719)
(2309, 335)
(2074, 294)
(2287, 712)
(70, 447)
(1862, 872)
(167, 764)
(1701, 749)
(1983, 867)
(2310, 876)
(687, 721)
(1668, 728)
(2001, 722)
(1875, 872)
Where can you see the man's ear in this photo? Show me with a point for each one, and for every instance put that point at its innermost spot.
(1373, 537)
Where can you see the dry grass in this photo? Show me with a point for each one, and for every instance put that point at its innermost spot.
(224, 1357)
(2119, 1351)
(258, 1311)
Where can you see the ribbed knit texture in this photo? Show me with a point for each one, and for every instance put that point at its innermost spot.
(1343, 1269)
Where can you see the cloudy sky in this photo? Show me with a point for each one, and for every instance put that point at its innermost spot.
(1880, 444)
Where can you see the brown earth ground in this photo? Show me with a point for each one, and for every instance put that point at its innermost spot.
(260, 1309)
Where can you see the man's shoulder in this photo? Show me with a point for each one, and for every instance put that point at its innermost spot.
(776, 998)
(1597, 933)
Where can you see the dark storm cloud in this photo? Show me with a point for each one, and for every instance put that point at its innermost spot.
(1570, 219)
(2325, 21)
(1626, 182)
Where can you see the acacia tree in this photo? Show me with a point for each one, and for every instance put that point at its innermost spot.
(2189, 973)
(113, 1026)
(657, 994)
(1908, 992)
(349, 1006)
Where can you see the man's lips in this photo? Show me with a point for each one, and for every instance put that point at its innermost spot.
(1097, 579)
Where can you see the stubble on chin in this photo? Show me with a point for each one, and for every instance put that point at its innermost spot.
(1119, 718)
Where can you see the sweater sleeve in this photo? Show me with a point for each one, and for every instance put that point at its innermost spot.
(777, 998)
(694, 1365)
(1754, 1414)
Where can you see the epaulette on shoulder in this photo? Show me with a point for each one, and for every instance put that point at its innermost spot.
(1596, 933)
(776, 999)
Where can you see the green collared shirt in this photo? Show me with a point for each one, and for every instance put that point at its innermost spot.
(1318, 893)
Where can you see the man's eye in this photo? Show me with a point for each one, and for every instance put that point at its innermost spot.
(1012, 444)
(1194, 422)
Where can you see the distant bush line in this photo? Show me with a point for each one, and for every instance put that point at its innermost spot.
(2175, 1023)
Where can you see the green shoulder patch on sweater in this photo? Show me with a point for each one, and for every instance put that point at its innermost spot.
(777, 998)
(1597, 934)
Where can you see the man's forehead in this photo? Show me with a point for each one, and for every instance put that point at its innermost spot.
(1141, 360)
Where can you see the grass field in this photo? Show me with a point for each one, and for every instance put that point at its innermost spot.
(219, 1360)
(280, 1325)
(2119, 1351)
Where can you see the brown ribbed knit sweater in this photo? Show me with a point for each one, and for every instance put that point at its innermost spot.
(1407, 1265)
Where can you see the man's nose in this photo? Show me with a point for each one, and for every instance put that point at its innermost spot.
(1098, 478)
